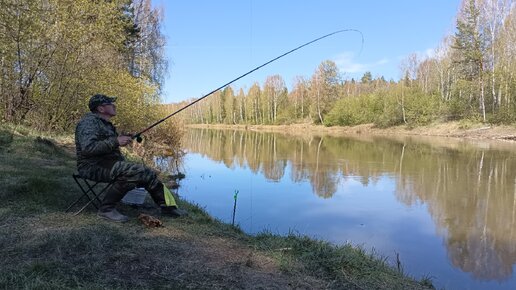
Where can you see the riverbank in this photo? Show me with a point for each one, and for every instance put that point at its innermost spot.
(457, 129)
(44, 247)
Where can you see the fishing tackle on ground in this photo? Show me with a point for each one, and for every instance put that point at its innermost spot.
(138, 137)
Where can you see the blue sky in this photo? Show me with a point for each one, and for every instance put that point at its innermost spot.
(210, 43)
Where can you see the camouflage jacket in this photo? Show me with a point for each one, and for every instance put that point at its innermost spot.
(96, 144)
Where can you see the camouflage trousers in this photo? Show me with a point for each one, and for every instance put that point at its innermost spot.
(127, 176)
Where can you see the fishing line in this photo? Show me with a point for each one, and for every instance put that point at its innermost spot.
(138, 137)
(251, 177)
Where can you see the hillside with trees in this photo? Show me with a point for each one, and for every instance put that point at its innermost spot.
(471, 75)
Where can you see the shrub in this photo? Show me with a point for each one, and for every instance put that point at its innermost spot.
(503, 116)
(421, 109)
(352, 111)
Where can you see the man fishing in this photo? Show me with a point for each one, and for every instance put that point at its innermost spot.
(99, 158)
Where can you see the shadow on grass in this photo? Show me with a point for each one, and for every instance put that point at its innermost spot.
(98, 256)
(6, 138)
(35, 194)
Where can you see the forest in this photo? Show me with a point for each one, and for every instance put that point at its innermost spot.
(55, 54)
(471, 76)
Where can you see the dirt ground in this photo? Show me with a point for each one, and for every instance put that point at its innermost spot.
(185, 256)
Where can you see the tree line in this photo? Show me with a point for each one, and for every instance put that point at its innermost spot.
(55, 54)
(470, 76)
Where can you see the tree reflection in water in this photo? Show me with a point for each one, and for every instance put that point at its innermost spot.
(469, 190)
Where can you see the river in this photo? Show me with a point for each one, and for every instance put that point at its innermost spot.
(445, 207)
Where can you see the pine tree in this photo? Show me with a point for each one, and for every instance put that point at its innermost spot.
(367, 78)
(470, 46)
(469, 43)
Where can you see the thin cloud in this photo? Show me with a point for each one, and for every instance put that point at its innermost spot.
(381, 62)
(346, 64)
(421, 55)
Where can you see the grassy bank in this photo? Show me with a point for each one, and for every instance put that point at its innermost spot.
(42, 247)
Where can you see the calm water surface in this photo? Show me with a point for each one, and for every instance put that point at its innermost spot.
(447, 207)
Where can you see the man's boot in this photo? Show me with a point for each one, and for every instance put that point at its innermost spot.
(112, 215)
(113, 195)
(158, 195)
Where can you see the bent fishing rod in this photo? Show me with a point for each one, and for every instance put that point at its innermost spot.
(138, 137)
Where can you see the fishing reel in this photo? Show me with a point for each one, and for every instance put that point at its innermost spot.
(138, 138)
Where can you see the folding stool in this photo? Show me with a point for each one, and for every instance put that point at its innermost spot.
(87, 187)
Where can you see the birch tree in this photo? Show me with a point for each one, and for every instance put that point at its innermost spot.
(492, 16)
(324, 89)
(254, 96)
(299, 97)
(145, 43)
(444, 68)
(274, 88)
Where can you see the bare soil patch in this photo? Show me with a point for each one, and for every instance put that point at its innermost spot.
(450, 129)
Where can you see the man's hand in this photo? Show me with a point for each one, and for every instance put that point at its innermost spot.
(123, 140)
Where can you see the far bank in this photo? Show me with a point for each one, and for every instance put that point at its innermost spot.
(459, 129)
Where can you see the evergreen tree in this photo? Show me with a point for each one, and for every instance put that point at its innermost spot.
(367, 78)
(470, 46)
(469, 43)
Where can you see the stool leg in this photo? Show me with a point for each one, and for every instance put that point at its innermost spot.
(96, 197)
(84, 193)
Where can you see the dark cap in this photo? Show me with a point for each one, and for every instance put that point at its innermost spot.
(99, 99)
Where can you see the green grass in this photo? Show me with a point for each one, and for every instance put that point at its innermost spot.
(345, 265)
(42, 247)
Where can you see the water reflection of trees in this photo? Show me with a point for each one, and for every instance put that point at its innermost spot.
(470, 192)
(471, 195)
